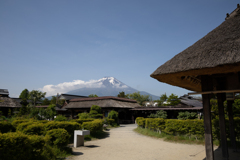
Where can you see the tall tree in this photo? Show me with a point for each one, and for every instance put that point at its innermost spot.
(93, 95)
(122, 95)
(24, 94)
(173, 100)
(163, 98)
(36, 95)
(138, 97)
(45, 102)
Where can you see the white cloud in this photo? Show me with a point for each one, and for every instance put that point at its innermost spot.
(69, 86)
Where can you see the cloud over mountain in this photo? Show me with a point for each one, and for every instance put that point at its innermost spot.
(66, 87)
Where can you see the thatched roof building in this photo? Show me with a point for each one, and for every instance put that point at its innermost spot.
(7, 102)
(217, 52)
(103, 102)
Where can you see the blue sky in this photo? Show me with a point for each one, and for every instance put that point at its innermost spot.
(51, 42)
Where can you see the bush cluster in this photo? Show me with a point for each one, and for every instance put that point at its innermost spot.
(6, 127)
(186, 127)
(18, 146)
(80, 121)
(96, 125)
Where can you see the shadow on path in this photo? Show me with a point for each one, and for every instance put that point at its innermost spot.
(232, 155)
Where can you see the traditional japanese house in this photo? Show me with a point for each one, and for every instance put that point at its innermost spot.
(7, 104)
(210, 66)
(108, 103)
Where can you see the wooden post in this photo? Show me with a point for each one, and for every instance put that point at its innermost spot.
(208, 127)
(206, 86)
(231, 125)
(221, 97)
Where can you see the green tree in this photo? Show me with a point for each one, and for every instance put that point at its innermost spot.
(84, 115)
(53, 100)
(173, 100)
(138, 97)
(51, 112)
(95, 111)
(93, 95)
(122, 95)
(36, 96)
(60, 118)
(46, 102)
(24, 94)
(162, 99)
(187, 115)
(159, 114)
(113, 115)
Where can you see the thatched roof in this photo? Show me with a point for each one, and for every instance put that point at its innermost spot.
(103, 102)
(8, 102)
(70, 96)
(216, 53)
(166, 109)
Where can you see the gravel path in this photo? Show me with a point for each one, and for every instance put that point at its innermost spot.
(124, 144)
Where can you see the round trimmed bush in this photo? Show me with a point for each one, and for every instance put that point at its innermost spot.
(58, 137)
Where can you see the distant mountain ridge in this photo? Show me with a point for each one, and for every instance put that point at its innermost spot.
(108, 86)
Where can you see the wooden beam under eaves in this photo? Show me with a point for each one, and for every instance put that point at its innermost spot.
(214, 92)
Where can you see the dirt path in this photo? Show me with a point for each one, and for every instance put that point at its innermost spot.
(124, 144)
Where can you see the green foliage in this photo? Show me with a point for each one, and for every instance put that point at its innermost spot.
(122, 95)
(15, 123)
(36, 95)
(138, 97)
(50, 112)
(58, 137)
(173, 100)
(2, 117)
(93, 95)
(24, 125)
(156, 124)
(60, 118)
(46, 102)
(34, 129)
(15, 146)
(95, 111)
(163, 98)
(80, 121)
(187, 115)
(6, 127)
(236, 108)
(24, 94)
(113, 115)
(18, 146)
(93, 126)
(84, 115)
(140, 121)
(159, 114)
(24, 109)
(68, 126)
(55, 101)
(111, 122)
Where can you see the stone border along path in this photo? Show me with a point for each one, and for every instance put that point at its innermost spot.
(125, 144)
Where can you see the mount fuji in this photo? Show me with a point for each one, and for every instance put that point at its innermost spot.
(107, 86)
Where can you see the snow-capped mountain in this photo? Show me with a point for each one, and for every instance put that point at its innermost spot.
(107, 86)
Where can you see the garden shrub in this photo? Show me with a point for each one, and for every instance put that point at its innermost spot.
(96, 112)
(14, 146)
(141, 122)
(15, 123)
(60, 118)
(68, 126)
(24, 125)
(6, 127)
(34, 129)
(113, 115)
(58, 137)
(80, 121)
(93, 126)
(155, 124)
(187, 115)
(159, 114)
(111, 122)
(84, 115)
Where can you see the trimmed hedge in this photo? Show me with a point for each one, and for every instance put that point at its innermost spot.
(95, 125)
(111, 122)
(18, 146)
(80, 121)
(140, 121)
(15, 123)
(6, 127)
(186, 127)
(58, 137)
(34, 129)
(68, 126)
